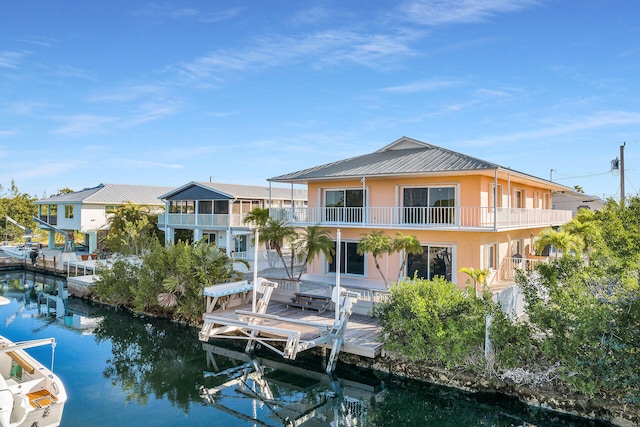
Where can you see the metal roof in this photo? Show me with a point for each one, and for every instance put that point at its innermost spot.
(405, 156)
(111, 194)
(247, 192)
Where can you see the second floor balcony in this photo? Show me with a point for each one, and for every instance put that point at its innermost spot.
(201, 220)
(445, 218)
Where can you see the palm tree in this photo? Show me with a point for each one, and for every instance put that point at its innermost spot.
(405, 245)
(258, 216)
(478, 276)
(583, 226)
(277, 233)
(561, 240)
(314, 241)
(376, 243)
(130, 230)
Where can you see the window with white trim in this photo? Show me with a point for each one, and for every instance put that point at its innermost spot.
(518, 198)
(495, 192)
(428, 205)
(351, 262)
(491, 256)
(68, 211)
(344, 205)
(433, 261)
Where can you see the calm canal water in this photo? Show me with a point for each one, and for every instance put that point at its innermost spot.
(121, 369)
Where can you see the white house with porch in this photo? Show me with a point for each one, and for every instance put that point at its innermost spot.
(86, 211)
(216, 212)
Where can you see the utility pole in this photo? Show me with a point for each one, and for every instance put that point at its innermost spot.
(622, 174)
(551, 174)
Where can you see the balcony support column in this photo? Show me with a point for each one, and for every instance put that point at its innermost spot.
(495, 200)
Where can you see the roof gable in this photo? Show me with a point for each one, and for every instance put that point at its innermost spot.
(404, 156)
(111, 194)
(220, 191)
(195, 191)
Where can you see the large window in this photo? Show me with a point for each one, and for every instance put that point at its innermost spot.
(205, 207)
(240, 243)
(221, 207)
(344, 205)
(429, 205)
(433, 261)
(351, 262)
(182, 206)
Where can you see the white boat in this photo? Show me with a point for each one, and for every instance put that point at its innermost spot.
(30, 393)
(18, 251)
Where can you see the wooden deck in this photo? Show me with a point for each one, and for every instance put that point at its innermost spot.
(361, 337)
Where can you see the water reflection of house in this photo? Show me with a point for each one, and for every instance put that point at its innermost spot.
(465, 212)
(216, 211)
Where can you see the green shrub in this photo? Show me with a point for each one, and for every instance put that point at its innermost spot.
(114, 284)
(432, 321)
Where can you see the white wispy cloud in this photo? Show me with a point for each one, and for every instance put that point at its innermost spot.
(68, 71)
(423, 86)
(8, 133)
(556, 128)
(22, 108)
(84, 124)
(38, 41)
(440, 12)
(143, 164)
(9, 59)
(168, 11)
(129, 93)
(333, 47)
(151, 111)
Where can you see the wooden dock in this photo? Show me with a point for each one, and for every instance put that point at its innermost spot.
(362, 336)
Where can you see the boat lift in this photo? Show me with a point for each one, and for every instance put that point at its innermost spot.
(253, 326)
(67, 242)
(27, 230)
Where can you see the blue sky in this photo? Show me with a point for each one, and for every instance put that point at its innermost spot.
(168, 92)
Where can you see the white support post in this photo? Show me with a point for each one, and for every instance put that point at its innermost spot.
(337, 289)
(255, 269)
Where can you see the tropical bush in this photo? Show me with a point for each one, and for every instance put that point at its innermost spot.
(580, 321)
(115, 284)
(168, 280)
(432, 321)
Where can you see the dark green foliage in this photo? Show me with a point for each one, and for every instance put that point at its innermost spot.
(584, 323)
(169, 281)
(114, 285)
(432, 321)
(21, 208)
(132, 230)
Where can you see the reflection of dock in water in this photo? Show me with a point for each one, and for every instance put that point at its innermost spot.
(285, 330)
(278, 393)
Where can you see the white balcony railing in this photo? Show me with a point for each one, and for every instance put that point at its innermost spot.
(202, 220)
(438, 217)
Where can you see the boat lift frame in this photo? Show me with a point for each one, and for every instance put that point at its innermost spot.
(252, 327)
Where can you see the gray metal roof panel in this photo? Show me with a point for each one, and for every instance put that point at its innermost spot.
(112, 194)
(247, 192)
(403, 157)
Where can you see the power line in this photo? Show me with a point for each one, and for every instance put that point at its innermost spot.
(583, 176)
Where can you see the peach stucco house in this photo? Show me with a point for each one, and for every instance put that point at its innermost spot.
(466, 212)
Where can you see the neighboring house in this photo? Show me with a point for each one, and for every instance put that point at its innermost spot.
(572, 200)
(466, 212)
(215, 212)
(86, 211)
